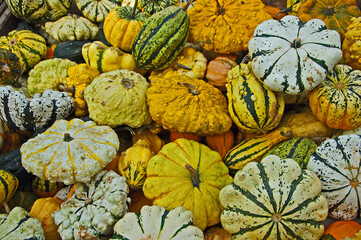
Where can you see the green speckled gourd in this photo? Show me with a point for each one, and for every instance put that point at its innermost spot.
(96, 10)
(297, 148)
(152, 6)
(161, 38)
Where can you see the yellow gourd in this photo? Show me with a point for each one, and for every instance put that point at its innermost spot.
(154, 141)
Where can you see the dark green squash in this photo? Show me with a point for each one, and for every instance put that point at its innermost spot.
(70, 50)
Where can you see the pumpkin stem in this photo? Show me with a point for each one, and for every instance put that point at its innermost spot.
(132, 16)
(179, 65)
(187, 5)
(6, 207)
(340, 85)
(354, 183)
(286, 132)
(127, 83)
(285, 10)
(220, 9)
(192, 89)
(67, 137)
(119, 129)
(194, 174)
(330, 10)
(296, 43)
(64, 88)
(276, 217)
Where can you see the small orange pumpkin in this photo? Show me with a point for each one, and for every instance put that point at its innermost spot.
(221, 143)
(190, 136)
(217, 71)
(217, 233)
(342, 229)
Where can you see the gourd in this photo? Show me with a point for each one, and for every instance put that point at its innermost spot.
(217, 233)
(2, 133)
(225, 26)
(138, 200)
(221, 143)
(11, 67)
(253, 107)
(274, 198)
(9, 185)
(291, 56)
(72, 28)
(93, 208)
(21, 199)
(71, 50)
(342, 229)
(351, 46)
(27, 45)
(337, 164)
(154, 141)
(188, 174)
(70, 151)
(96, 10)
(187, 105)
(155, 222)
(106, 107)
(44, 188)
(217, 70)
(190, 136)
(335, 101)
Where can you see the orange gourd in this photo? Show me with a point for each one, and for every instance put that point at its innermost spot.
(217, 71)
(221, 143)
(342, 229)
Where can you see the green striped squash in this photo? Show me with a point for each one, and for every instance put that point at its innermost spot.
(8, 185)
(96, 10)
(337, 162)
(44, 188)
(253, 107)
(161, 38)
(27, 45)
(152, 6)
(253, 149)
(274, 199)
(297, 148)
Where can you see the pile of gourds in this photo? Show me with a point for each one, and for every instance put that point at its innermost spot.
(204, 119)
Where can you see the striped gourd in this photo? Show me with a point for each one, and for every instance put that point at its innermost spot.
(8, 185)
(297, 148)
(152, 6)
(27, 45)
(96, 10)
(252, 149)
(274, 199)
(337, 163)
(44, 188)
(253, 107)
(161, 38)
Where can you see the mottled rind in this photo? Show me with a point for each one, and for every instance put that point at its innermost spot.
(96, 11)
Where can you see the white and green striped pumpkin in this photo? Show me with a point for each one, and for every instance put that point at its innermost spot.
(274, 199)
(337, 163)
(96, 10)
(291, 56)
(155, 222)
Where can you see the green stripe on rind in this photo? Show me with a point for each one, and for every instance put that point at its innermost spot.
(242, 231)
(163, 219)
(251, 108)
(184, 226)
(293, 188)
(4, 183)
(236, 154)
(268, 188)
(318, 158)
(302, 205)
(100, 60)
(245, 213)
(290, 232)
(118, 236)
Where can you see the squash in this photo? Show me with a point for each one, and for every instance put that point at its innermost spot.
(93, 208)
(150, 7)
(221, 143)
(274, 199)
(21, 199)
(155, 222)
(8, 186)
(27, 45)
(70, 151)
(225, 26)
(185, 105)
(335, 101)
(71, 50)
(337, 162)
(106, 107)
(12, 141)
(188, 174)
(138, 200)
(217, 233)
(291, 56)
(351, 47)
(217, 70)
(11, 67)
(154, 141)
(96, 10)
(342, 229)
(190, 136)
(44, 188)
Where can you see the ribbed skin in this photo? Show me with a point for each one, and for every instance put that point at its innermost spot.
(161, 38)
(96, 11)
(8, 185)
(152, 6)
(44, 188)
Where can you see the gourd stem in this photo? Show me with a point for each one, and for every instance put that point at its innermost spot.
(187, 5)
(192, 89)
(6, 207)
(119, 129)
(132, 16)
(286, 132)
(276, 217)
(220, 9)
(12, 41)
(179, 65)
(340, 85)
(194, 174)
(67, 137)
(296, 43)
(64, 88)
(330, 10)
(127, 83)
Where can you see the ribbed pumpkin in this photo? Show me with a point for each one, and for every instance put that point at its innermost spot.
(217, 71)
(253, 107)
(342, 229)
(8, 186)
(27, 45)
(188, 174)
(11, 67)
(44, 188)
(221, 143)
(336, 101)
(96, 10)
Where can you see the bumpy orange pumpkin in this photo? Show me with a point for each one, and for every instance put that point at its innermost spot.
(342, 229)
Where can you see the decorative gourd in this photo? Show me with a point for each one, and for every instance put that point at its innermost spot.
(253, 149)
(217, 233)
(93, 208)
(221, 143)
(337, 163)
(138, 200)
(106, 107)
(190, 136)
(42, 210)
(274, 199)
(8, 186)
(39, 11)
(336, 14)
(253, 107)
(351, 46)
(154, 141)
(21, 199)
(217, 70)
(291, 56)
(161, 38)
(48, 74)
(27, 45)
(187, 105)
(70, 151)
(225, 26)
(189, 62)
(96, 10)
(335, 101)
(19, 225)
(12, 141)
(188, 174)
(342, 229)
(70, 50)
(152, 6)
(44, 188)
(11, 67)
(121, 26)
(39, 111)
(72, 28)
(155, 222)
(106, 59)
(2, 133)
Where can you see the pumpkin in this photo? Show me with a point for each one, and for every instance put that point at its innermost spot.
(351, 46)
(106, 107)
(189, 62)
(188, 174)
(217, 233)
(42, 210)
(253, 107)
(274, 199)
(27, 45)
(9, 185)
(291, 56)
(342, 229)
(72, 28)
(190, 136)
(11, 67)
(221, 143)
(44, 188)
(337, 164)
(155, 222)
(121, 26)
(154, 141)
(71, 50)
(336, 14)
(93, 208)
(335, 101)
(152, 6)
(225, 26)
(96, 10)
(70, 151)
(187, 105)
(138, 200)
(217, 70)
